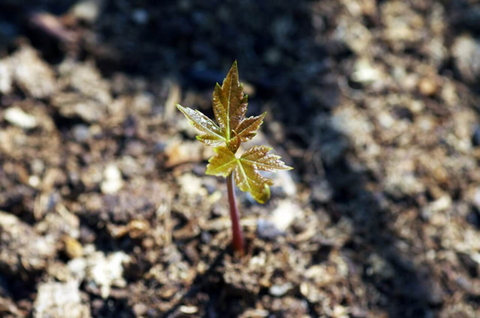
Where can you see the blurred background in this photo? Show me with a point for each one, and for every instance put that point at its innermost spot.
(105, 210)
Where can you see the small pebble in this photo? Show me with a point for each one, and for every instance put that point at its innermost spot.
(19, 118)
(280, 290)
(81, 133)
(267, 230)
(73, 248)
(322, 192)
(427, 86)
(113, 181)
(140, 309)
(87, 10)
(189, 310)
(284, 215)
(140, 16)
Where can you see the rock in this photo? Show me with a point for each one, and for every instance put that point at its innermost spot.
(86, 79)
(311, 292)
(143, 103)
(87, 10)
(19, 118)
(187, 232)
(188, 310)
(179, 152)
(191, 185)
(32, 74)
(59, 222)
(441, 204)
(138, 228)
(87, 94)
(72, 247)
(280, 290)
(284, 215)
(365, 72)
(21, 248)
(81, 133)
(475, 257)
(140, 309)
(322, 192)
(6, 77)
(403, 25)
(284, 180)
(427, 86)
(140, 16)
(78, 267)
(73, 105)
(466, 55)
(267, 230)
(60, 300)
(106, 271)
(400, 177)
(112, 181)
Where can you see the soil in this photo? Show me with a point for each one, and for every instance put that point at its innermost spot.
(105, 210)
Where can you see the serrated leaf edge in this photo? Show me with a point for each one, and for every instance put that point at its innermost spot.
(182, 109)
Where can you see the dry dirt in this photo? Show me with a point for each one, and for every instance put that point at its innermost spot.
(105, 210)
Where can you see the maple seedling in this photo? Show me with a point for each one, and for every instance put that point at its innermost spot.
(229, 107)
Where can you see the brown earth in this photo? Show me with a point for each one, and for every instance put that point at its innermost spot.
(105, 210)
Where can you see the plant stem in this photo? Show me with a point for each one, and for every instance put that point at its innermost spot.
(237, 240)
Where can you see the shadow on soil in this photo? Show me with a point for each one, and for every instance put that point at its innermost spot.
(406, 290)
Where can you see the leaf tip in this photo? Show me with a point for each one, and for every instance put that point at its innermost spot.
(234, 69)
(265, 194)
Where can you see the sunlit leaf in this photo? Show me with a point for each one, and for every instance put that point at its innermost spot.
(257, 158)
(229, 107)
(223, 163)
(248, 127)
(229, 102)
(247, 176)
(212, 134)
(249, 180)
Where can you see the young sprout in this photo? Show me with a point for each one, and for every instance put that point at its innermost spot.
(229, 106)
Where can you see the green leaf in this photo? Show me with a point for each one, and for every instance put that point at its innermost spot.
(248, 127)
(212, 134)
(229, 107)
(257, 157)
(222, 164)
(249, 180)
(230, 103)
(246, 169)
(247, 176)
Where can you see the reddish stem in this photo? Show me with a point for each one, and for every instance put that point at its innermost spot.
(237, 240)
